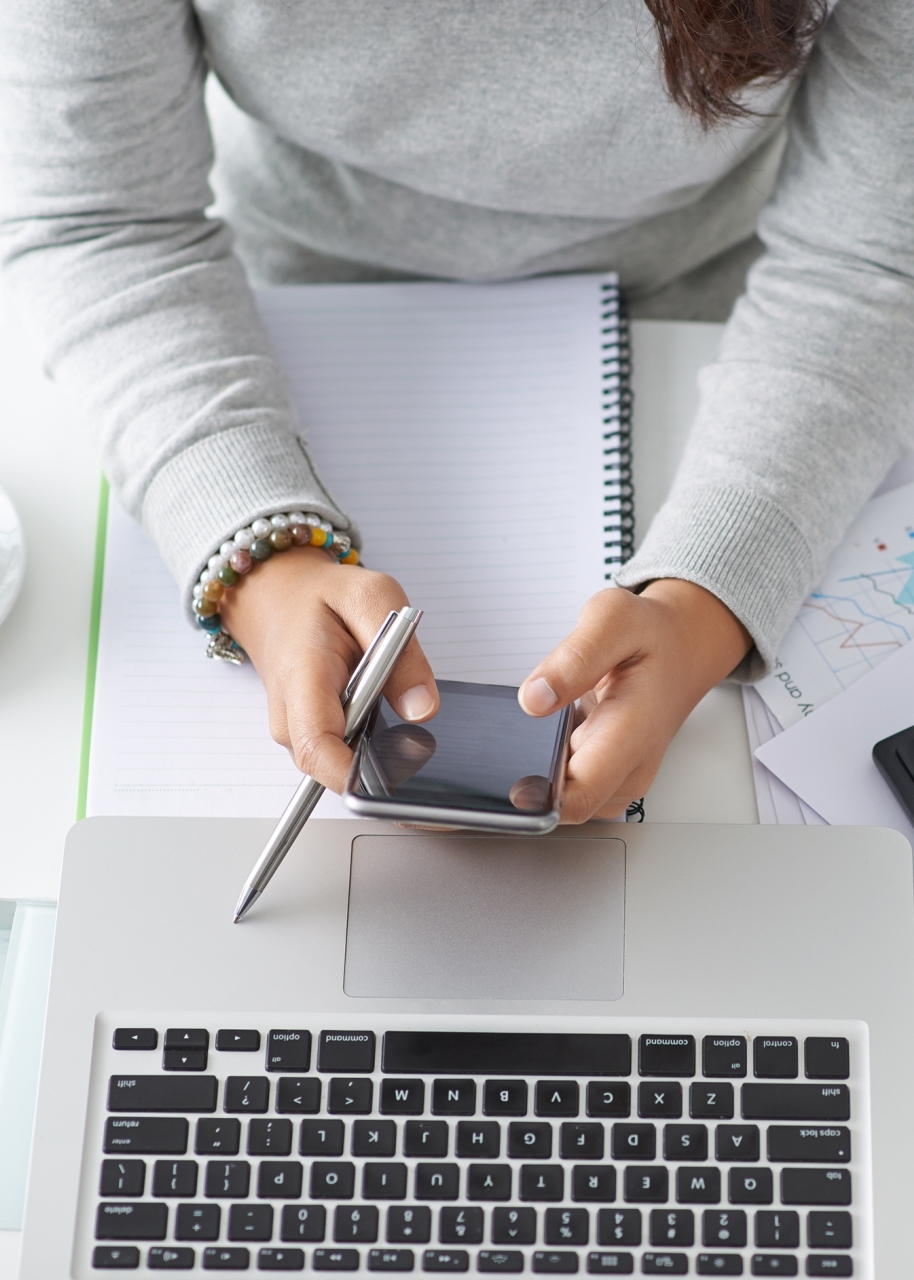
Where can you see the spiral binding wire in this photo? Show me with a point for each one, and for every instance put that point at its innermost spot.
(619, 494)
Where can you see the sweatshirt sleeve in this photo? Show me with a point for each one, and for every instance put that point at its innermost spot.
(140, 308)
(812, 397)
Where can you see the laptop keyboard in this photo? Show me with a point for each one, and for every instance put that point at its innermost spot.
(686, 1150)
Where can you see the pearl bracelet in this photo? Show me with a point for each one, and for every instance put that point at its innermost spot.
(255, 543)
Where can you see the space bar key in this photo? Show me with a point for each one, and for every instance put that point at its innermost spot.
(162, 1093)
(796, 1102)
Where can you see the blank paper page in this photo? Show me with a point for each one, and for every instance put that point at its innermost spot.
(462, 427)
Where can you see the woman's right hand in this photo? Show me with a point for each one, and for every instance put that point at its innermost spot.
(305, 621)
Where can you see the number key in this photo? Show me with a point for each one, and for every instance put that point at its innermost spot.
(410, 1224)
(303, 1222)
(619, 1226)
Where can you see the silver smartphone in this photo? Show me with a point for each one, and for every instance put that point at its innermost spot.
(481, 762)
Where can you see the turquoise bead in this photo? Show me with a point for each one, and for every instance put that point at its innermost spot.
(261, 549)
(212, 623)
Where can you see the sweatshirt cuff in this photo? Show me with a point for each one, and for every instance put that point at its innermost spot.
(201, 497)
(741, 547)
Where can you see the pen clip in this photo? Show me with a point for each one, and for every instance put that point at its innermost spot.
(353, 681)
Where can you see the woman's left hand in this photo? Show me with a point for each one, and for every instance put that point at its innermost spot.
(638, 664)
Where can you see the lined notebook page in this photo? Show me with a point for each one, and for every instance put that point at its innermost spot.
(462, 426)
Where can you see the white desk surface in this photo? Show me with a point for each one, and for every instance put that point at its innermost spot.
(49, 466)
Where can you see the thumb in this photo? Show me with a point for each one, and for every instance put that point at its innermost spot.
(411, 688)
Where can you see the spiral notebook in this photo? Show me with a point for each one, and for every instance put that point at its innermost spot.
(480, 435)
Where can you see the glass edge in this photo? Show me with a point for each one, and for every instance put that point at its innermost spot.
(101, 530)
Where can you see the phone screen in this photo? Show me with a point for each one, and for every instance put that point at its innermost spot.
(480, 752)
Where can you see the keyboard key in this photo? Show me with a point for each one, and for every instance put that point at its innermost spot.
(777, 1229)
(564, 1262)
(515, 1226)
(384, 1181)
(281, 1260)
(809, 1144)
(237, 1041)
(122, 1178)
(247, 1093)
(145, 1136)
(217, 1137)
(737, 1142)
(820, 1265)
(685, 1142)
(567, 1226)
(454, 1097)
(777, 1057)
(673, 1227)
(774, 1264)
(826, 1058)
(226, 1259)
(425, 1138)
(609, 1099)
(619, 1226)
(437, 1181)
(355, 1223)
(496, 1053)
(460, 1225)
(664, 1264)
(288, 1050)
(116, 1257)
(197, 1222)
(724, 1226)
(724, 1056)
(666, 1056)
(332, 1180)
(541, 1182)
(557, 1098)
(170, 1259)
(646, 1185)
(163, 1093)
(829, 1230)
(187, 1038)
(613, 1264)
(402, 1097)
(751, 1186)
(504, 1098)
(531, 1140)
(346, 1051)
(412, 1224)
(321, 1138)
(184, 1060)
(227, 1179)
(445, 1260)
(269, 1137)
(391, 1260)
(374, 1138)
(298, 1095)
(175, 1178)
(303, 1222)
(250, 1222)
(135, 1038)
(655, 1099)
(500, 1260)
(711, 1101)
(489, 1182)
(698, 1186)
(352, 1096)
(815, 1186)
(479, 1138)
(279, 1180)
(121, 1221)
(795, 1102)
(335, 1260)
(594, 1183)
(719, 1264)
(581, 1141)
(634, 1142)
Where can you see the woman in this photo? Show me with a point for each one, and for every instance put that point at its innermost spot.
(476, 141)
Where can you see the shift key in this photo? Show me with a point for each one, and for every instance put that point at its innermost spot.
(162, 1093)
(795, 1102)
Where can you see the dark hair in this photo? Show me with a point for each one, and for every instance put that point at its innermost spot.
(713, 49)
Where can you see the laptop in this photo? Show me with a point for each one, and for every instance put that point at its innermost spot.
(615, 1050)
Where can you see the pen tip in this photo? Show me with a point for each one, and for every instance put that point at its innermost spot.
(244, 904)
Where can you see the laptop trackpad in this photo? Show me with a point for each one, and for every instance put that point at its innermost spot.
(486, 918)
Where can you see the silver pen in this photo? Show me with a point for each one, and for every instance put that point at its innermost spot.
(359, 696)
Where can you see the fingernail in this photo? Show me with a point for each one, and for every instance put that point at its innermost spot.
(538, 697)
(416, 703)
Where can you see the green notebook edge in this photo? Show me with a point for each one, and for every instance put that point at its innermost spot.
(98, 579)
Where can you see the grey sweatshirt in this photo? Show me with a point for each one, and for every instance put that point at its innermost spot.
(372, 139)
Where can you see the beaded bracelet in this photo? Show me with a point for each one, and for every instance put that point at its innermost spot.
(252, 545)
